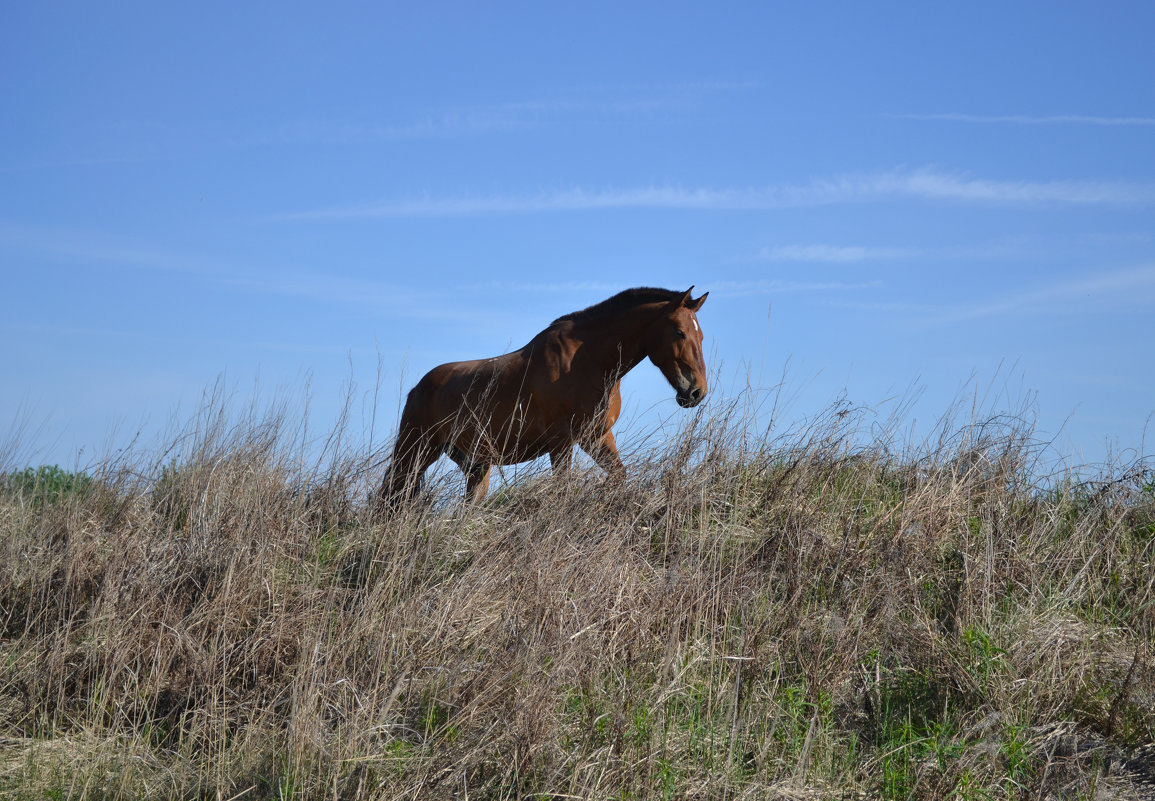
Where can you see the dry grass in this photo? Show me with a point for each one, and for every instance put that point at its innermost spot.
(816, 614)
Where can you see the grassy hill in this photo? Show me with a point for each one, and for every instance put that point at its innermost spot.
(819, 613)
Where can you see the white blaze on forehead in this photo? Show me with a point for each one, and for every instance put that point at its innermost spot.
(694, 320)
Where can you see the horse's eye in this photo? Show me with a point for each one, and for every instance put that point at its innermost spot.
(680, 334)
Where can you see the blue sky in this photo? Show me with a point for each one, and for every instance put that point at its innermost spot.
(883, 199)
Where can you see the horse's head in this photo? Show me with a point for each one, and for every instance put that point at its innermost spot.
(675, 346)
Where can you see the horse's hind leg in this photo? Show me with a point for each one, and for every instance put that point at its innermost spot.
(476, 475)
(413, 454)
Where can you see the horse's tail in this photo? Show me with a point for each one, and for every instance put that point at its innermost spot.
(403, 477)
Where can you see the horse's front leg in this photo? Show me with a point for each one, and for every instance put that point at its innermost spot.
(561, 459)
(476, 483)
(604, 451)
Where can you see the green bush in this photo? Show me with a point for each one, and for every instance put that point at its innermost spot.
(47, 485)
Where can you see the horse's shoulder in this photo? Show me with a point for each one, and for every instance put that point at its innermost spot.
(562, 340)
(550, 353)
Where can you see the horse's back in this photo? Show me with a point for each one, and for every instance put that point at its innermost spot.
(476, 388)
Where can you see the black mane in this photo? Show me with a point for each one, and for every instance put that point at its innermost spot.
(620, 302)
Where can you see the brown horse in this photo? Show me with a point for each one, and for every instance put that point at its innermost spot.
(564, 387)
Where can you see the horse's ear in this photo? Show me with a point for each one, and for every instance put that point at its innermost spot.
(694, 305)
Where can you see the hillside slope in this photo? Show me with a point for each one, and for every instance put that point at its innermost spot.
(813, 614)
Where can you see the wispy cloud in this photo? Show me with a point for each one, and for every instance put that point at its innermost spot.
(565, 200)
(87, 250)
(835, 254)
(1024, 119)
(579, 104)
(933, 185)
(719, 288)
(1102, 292)
(549, 287)
(399, 300)
(110, 333)
(922, 184)
(1017, 249)
(773, 287)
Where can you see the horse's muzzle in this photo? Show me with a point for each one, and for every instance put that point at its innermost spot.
(690, 398)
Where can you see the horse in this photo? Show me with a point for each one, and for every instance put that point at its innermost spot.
(562, 388)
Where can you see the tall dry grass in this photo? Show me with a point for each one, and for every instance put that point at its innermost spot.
(827, 611)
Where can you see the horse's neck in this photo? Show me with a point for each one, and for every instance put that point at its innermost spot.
(619, 345)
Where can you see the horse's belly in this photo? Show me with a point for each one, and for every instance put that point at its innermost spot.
(511, 444)
(525, 446)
